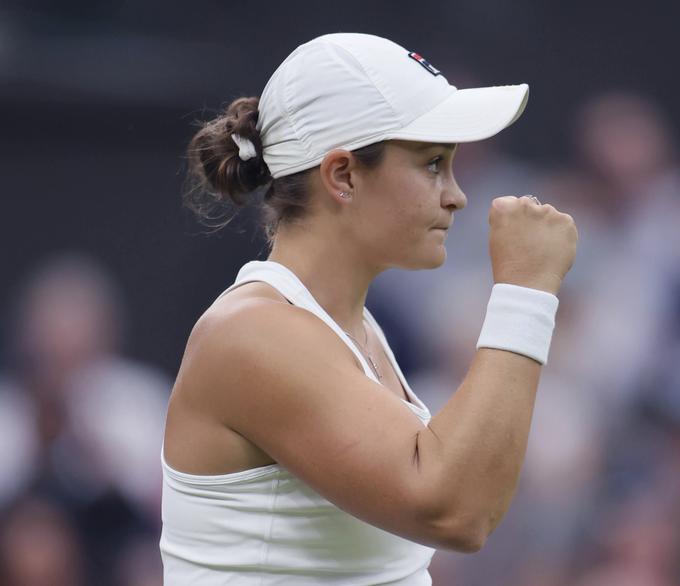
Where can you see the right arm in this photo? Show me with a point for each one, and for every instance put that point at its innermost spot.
(280, 377)
(313, 411)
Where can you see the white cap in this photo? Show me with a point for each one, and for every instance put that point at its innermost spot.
(349, 90)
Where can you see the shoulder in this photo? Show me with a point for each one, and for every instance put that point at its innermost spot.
(253, 345)
(250, 324)
(245, 314)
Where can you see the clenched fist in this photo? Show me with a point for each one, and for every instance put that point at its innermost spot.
(531, 244)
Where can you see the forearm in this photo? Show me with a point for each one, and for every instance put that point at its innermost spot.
(471, 454)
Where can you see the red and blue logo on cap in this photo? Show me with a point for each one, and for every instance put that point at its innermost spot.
(425, 63)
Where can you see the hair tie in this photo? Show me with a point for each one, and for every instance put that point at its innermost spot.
(246, 149)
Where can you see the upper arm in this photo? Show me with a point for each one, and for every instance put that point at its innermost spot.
(284, 380)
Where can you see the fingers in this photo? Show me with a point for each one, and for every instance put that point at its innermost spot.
(514, 200)
(504, 201)
(509, 206)
(528, 202)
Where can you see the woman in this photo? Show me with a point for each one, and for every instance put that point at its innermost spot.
(295, 451)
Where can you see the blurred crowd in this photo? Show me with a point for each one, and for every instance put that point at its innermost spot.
(80, 435)
(599, 498)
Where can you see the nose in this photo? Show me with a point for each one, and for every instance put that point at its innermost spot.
(453, 197)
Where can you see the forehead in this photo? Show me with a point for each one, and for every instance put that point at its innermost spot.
(417, 147)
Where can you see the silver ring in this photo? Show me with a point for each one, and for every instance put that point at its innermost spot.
(534, 198)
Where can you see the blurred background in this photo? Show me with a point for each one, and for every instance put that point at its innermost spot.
(103, 273)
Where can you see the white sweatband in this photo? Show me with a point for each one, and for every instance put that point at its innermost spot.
(520, 320)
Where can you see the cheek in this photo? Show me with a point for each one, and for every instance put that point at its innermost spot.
(409, 200)
(401, 206)
(416, 211)
(401, 219)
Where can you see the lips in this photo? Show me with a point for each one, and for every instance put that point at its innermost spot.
(445, 226)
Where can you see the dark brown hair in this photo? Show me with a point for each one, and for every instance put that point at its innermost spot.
(219, 181)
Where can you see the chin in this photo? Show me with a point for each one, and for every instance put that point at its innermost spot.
(431, 260)
(436, 262)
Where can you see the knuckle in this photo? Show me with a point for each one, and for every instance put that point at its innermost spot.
(502, 205)
(567, 219)
(503, 200)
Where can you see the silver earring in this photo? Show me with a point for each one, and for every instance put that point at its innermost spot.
(345, 195)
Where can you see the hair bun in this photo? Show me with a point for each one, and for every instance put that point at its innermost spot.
(214, 162)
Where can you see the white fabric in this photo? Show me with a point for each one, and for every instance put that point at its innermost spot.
(264, 526)
(348, 90)
(520, 320)
(246, 148)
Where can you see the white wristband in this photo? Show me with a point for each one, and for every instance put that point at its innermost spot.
(520, 320)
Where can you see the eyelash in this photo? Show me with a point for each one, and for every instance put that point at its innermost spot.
(435, 161)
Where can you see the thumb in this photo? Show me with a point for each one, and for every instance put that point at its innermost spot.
(503, 201)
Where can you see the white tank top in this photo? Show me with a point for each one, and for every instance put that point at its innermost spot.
(264, 526)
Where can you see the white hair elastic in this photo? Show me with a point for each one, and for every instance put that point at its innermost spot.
(246, 149)
(519, 319)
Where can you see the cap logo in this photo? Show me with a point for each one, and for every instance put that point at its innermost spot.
(425, 63)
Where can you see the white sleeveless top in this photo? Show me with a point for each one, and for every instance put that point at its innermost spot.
(264, 526)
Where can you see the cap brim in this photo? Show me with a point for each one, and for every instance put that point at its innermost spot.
(468, 115)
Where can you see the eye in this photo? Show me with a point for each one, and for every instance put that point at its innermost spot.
(433, 165)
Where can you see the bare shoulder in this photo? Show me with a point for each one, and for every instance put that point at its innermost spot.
(197, 438)
(233, 346)
(251, 331)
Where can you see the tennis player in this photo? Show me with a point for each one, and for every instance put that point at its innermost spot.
(295, 452)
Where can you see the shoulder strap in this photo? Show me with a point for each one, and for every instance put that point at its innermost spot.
(287, 283)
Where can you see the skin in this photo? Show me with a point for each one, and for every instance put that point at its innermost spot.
(390, 221)
(239, 403)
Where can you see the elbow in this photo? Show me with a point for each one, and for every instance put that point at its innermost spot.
(458, 533)
(470, 544)
(464, 542)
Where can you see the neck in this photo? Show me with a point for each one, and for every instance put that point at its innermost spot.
(337, 276)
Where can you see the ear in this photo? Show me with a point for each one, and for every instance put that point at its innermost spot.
(336, 174)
